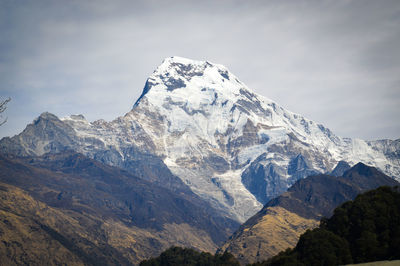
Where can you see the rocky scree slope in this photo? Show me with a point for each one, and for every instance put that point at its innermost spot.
(198, 125)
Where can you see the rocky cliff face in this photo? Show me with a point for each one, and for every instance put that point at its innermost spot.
(198, 125)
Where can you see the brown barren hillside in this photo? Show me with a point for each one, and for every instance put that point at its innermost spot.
(92, 214)
(278, 230)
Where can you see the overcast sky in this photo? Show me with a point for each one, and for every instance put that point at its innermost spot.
(335, 62)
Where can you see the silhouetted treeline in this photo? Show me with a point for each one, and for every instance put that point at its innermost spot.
(189, 257)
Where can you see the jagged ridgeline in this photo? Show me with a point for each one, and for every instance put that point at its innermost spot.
(364, 230)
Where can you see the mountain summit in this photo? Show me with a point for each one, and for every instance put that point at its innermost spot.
(197, 125)
(192, 80)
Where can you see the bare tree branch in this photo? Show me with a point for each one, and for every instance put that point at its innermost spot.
(3, 107)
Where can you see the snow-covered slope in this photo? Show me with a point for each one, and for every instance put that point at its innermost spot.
(231, 146)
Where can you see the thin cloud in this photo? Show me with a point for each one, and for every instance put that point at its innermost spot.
(336, 62)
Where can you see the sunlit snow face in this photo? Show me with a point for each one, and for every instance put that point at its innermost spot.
(200, 96)
(194, 85)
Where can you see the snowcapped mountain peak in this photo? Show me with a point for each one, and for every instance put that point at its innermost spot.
(198, 80)
(202, 98)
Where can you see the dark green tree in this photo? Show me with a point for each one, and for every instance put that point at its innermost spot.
(371, 225)
(322, 247)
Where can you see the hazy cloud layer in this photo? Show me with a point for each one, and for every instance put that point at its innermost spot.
(336, 62)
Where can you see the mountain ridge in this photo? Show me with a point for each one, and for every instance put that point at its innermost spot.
(196, 124)
(278, 225)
